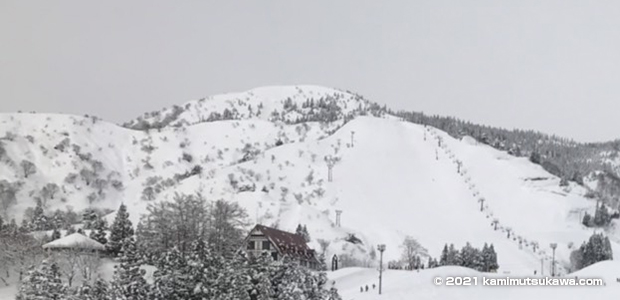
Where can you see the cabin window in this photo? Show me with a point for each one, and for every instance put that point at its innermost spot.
(274, 255)
(251, 245)
(266, 245)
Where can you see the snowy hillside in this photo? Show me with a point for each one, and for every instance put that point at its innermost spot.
(269, 150)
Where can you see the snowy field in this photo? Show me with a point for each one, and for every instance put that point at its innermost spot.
(407, 285)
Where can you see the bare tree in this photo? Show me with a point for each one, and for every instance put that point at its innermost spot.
(8, 192)
(28, 167)
(228, 224)
(324, 244)
(68, 263)
(412, 249)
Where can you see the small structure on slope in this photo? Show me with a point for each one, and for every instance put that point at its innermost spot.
(75, 242)
(279, 244)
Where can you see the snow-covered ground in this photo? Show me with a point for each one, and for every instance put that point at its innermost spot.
(406, 285)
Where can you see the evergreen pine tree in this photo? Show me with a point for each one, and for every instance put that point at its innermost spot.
(453, 258)
(261, 271)
(88, 218)
(39, 220)
(171, 280)
(443, 259)
(204, 269)
(70, 230)
(587, 219)
(42, 282)
(299, 230)
(57, 221)
(100, 290)
(333, 294)
(25, 226)
(98, 232)
(120, 230)
(233, 282)
(55, 234)
(598, 248)
(493, 265)
(288, 281)
(486, 258)
(129, 282)
(468, 256)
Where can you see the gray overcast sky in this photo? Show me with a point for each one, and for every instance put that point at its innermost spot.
(548, 65)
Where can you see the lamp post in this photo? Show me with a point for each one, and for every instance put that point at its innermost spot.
(381, 248)
(553, 246)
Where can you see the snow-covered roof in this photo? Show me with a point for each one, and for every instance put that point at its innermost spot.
(75, 241)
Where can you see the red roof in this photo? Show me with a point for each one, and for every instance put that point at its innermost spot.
(288, 243)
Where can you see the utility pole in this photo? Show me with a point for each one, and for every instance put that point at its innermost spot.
(553, 246)
(381, 248)
(481, 200)
(542, 267)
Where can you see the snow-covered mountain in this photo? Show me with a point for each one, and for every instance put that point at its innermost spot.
(270, 149)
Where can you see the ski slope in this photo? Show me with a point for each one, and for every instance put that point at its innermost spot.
(405, 285)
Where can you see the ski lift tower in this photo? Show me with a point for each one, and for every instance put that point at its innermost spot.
(553, 246)
(338, 213)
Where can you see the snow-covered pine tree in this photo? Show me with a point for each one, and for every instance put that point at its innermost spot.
(57, 221)
(88, 218)
(299, 230)
(288, 281)
(233, 282)
(203, 269)
(306, 235)
(120, 230)
(42, 282)
(453, 258)
(313, 286)
(443, 259)
(261, 272)
(100, 290)
(171, 280)
(468, 256)
(84, 292)
(486, 257)
(587, 220)
(598, 248)
(493, 265)
(70, 230)
(129, 282)
(98, 232)
(333, 294)
(56, 234)
(39, 219)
